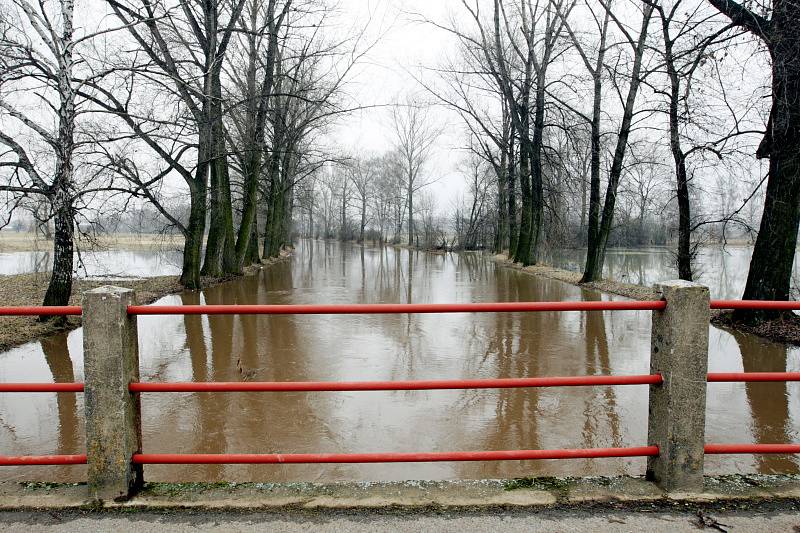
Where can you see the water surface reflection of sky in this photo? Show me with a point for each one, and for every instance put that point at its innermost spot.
(394, 347)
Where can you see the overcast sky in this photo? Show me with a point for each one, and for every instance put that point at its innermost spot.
(406, 49)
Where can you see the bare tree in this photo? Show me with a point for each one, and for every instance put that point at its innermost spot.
(363, 175)
(770, 272)
(36, 49)
(414, 139)
(184, 60)
(470, 216)
(600, 227)
(258, 83)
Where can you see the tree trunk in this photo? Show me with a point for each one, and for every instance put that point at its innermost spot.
(684, 208)
(773, 255)
(410, 211)
(280, 210)
(59, 289)
(257, 117)
(770, 272)
(537, 182)
(193, 239)
(363, 219)
(221, 247)
(501, 238)
(249, 222)
(682, 185)
(343, 213)
(212, 263)
(522, 252)
(268, 220)
(512, 200)
(591, 271)
(595, 255)
(252, 256)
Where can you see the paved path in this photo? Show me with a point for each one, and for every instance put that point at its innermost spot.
(527, 521)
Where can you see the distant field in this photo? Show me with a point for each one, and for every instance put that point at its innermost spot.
(22, 242)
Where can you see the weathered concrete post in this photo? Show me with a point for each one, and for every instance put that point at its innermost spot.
(113, 421)
(677, 413)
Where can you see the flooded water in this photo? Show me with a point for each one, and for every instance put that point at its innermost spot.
(394, 347)
(98, 264)
(723, 268)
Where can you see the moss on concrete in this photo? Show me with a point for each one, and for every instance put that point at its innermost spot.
(735, 491)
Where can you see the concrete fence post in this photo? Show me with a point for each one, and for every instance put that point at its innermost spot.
(113, 419)
(677, 408)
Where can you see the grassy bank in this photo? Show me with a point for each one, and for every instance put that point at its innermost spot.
(785, 330)
(29, 242)
(29, 289)
(629, 290)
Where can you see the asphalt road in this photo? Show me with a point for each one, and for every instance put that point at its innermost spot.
(565, 520)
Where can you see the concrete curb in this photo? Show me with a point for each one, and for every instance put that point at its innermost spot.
(408, 495)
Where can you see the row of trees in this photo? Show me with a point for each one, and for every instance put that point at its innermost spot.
(584, 120)
(599, 91)
(210, 111)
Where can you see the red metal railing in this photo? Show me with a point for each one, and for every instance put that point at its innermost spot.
(425, 457)
(42, 460)
(492, 307)
(752, 377)
(41, 310)
(569, 381)
(41, 387)
(433, 384)
(440, 384)
(377, 309)
(764, 305)
(731, 449)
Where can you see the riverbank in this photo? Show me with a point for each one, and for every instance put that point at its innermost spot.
(629, 290)
(784, 330)
(29, 290)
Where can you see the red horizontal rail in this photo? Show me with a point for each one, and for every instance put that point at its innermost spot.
(41, 387)
(352, 309)
(492, 307)
(747, 377)
(41, 310)
(298, 458)
(717, 449)
(435, 384)
(25, 460)
(441, 384)
(766, 305)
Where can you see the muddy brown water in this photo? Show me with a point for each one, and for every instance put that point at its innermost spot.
(393, 347)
